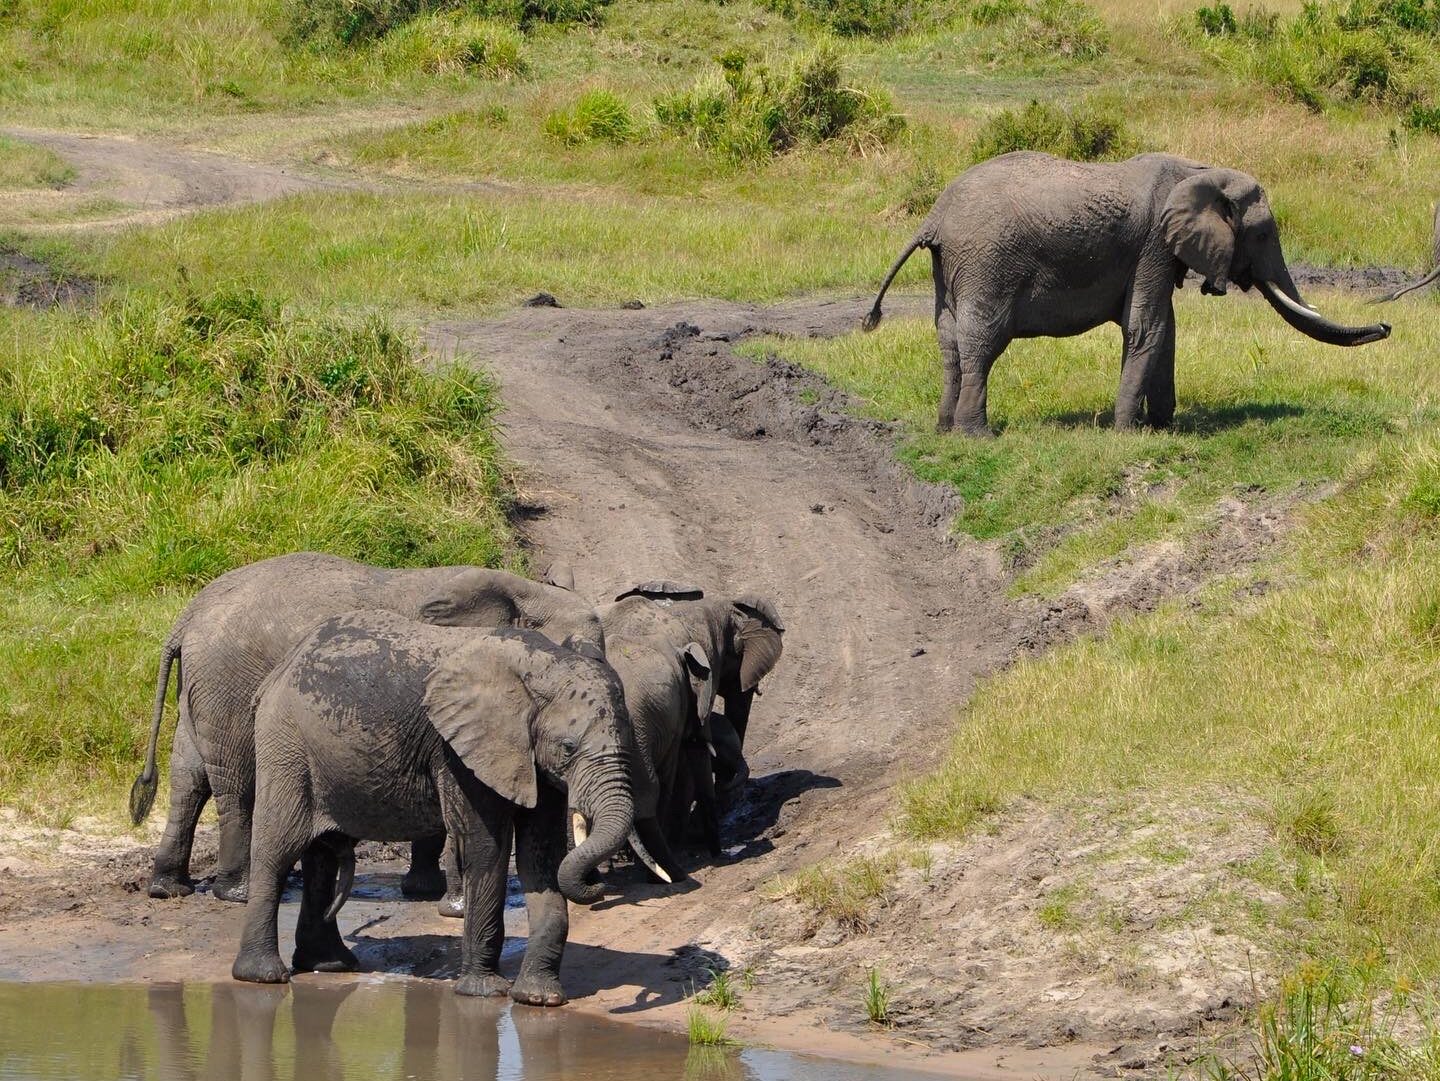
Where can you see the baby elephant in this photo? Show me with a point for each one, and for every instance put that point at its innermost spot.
(379, 727)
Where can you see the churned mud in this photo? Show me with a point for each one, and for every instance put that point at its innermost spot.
(648, 449)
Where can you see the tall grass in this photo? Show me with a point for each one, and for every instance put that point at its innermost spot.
(169, 440)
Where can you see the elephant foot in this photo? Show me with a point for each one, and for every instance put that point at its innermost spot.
(168, 887)
(452, 905)
(332, 959)
(234, 890)
(482, 985)
(423, 884)
(537, 991)
(260, 968)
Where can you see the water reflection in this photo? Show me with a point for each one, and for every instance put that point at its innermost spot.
(332, 1030)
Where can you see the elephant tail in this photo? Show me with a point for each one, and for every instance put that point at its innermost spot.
(142, 792)
(1434, 275)
(922, 240)
(345, 883)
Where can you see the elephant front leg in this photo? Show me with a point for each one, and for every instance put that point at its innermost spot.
(483, 835)
(189, 791)
(425, 881)
(539, 848)
(258, 959)
(1148, 364)
(452, 904)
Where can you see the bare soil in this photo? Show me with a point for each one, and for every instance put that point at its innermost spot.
(649, 449)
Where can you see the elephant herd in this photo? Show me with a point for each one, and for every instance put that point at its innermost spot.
(465, 710)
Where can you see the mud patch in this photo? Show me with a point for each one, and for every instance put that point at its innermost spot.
(26, 282)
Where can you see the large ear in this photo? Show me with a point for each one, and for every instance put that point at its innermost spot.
(1200, 219)
(702, 681)
(559, 574)
(662, 590)
(761, 608)
(482, 709)
(758, 640)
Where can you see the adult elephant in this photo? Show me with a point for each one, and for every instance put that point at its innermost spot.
(380, 727)
(1434, 274)
(241, 625)
(1027, 245)
(743, 638)
(669, 691)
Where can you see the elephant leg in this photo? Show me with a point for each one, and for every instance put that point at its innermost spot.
(425, 881)
(232, 870)
(974, 347)
(1149, 332)
(1160, 391)
(452, 904)
(318, 945)
(702, 783)
(483, 834)
(539, 848)
(284, 839)
(189, 791)
(731, 771)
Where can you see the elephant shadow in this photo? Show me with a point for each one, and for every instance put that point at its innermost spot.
(1194, 419)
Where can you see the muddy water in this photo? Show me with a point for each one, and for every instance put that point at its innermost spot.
(338, 1028)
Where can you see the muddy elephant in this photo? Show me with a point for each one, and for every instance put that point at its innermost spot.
(743, 638)
(669, 690)
(1434, 274)
(384, 728)
(1027, 245)
(234, 632)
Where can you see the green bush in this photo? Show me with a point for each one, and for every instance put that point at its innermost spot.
(1080, 134)
(451, 43)
(356, 22)
(596, 116)
(864, 18)
(170, 440)
(1423, 118)
(750, 111)
(1216, 21)
(1065, 29)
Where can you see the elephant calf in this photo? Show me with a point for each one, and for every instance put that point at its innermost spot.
(1026, 245)
(380, 727)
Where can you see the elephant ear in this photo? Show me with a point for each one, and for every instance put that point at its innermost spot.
(702, 684)
(1200, 220)
(663, 590)
(561, 575)
(482, 709)
(758, 639)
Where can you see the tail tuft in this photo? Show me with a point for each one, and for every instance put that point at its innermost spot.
(142, 797)
(872, 319)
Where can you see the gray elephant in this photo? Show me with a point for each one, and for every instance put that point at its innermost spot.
(669, 690)
(240, 626)
(1434, 274)
(1027, 245)
(742, 637)
(380, 727)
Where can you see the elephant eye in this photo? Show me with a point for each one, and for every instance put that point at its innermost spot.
(568, 746)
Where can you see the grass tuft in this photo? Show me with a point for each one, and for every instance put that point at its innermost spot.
(706, 1030)
(877, 999)
(597, 116)
(720, 991)
(1081, 133)
(24, 165)
(451, 43)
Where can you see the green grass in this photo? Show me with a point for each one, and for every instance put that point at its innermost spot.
(719, 992)
(877, 999)
(1262, 413)
(847, 893)
(167, 440)
(23, 165)
(706, 1030)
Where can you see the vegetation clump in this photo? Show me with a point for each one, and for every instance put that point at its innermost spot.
(1035, 29)
(597, 116)
(358, 22)
(1081, 133)
(750, 111)
(865, 18)
(448, 43)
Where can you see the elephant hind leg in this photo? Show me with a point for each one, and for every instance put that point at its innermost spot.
(283, 829)
(318, 945)
(969, 346)
(189, 792)
(424, 880)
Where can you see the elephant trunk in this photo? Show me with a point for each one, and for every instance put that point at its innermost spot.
(612, 815)
(1287, 302)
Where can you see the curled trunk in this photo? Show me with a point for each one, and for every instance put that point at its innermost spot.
(612, 815)
(1313, 325)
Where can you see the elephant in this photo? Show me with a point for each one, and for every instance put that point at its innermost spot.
(742, 638)
(241, 625)
(1434, 274)
(1028, 245)
(669, 690)
(380, 727)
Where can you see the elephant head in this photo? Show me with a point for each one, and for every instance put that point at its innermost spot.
(535, 712)
(1219, 224)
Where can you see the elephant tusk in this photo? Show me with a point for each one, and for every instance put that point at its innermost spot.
(1315, 326)
(579, 827)
(648, 860)
(712, 749)
(345, 883)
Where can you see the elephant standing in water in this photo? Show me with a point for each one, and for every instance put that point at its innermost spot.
(240, 626)
(1027, 245)
(1434, 274)
(379, 727)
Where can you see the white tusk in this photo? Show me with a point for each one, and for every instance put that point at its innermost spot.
(579, 828)
(712, 749)
(648, 860)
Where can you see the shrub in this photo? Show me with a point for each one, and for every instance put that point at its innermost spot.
(451, 43)
(1064, 29)
(750, 112)
(1080, 134)
(1217, 20)
(864, 18)
(1423, 118)
(596, 116)
(356, 22)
